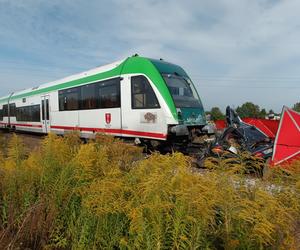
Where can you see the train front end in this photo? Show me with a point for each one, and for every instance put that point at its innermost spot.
(189, 114)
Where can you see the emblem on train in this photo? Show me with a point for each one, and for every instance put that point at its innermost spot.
(150, 117)
(108, 118)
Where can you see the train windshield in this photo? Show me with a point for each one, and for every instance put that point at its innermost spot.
(182, 91)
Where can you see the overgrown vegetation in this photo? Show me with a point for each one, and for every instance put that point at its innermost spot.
(106, 195)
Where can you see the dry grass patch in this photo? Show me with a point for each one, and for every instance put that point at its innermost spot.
(106, 195)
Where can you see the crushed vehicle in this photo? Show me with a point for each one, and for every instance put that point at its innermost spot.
(240, 136)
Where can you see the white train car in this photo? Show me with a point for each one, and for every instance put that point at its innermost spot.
(136, 97)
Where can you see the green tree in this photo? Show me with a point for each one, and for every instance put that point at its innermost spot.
(263, 113)
(216, 114)
(248, 109)
(296, 107)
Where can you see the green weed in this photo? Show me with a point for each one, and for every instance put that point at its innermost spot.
(106, 194)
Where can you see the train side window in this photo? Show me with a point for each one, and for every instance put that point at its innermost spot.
(29, 113)
(19, 114)
(1, 115)
(5, 110)
(69, 99)
(12, 109)
(43, 110)
(36, 113)
(47, 110)
(109, 94)
(143, 96)
(88, 96)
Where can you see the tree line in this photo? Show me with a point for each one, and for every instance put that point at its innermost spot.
(248, 109)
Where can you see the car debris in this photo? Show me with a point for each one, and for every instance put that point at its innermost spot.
(239, 136)
(237, 142)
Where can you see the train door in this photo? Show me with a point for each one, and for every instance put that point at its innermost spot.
(141, 112)
(45, 110)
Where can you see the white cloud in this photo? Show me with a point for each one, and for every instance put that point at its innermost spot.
(248, 44)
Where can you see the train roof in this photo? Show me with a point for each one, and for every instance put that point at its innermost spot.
(134, 64)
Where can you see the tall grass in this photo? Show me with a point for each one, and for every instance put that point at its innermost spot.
(107, 195)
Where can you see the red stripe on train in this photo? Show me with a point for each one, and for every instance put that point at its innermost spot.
(99, 130)
(114, 131)
(22, 125)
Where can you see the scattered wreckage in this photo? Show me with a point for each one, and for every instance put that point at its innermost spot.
(236, 141)
(241, 142)
(240, 136)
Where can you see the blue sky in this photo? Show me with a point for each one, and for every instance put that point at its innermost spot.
(234, 51)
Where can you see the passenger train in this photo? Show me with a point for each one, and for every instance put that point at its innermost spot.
(138, 98)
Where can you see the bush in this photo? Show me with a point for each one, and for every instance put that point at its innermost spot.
(108, 195)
